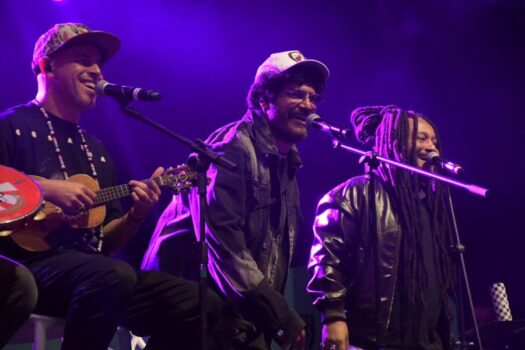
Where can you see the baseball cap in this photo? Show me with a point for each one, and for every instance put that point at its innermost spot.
(64, 35)
(281, 62)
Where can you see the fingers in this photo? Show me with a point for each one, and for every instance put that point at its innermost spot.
(177, 169)
(335, 336)
(87, 198)
(334, 345)
(298, 341)
(331, 346)
(158, 172)
(300, 344)
(148, 186)
(302, 340)
(144, 192)
(135, 197)
(77, 198)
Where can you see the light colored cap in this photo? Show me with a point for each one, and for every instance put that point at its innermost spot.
(282, 61)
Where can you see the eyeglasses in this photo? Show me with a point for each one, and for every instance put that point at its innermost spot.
(302, 95)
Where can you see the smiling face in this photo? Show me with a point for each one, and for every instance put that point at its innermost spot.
(287, 112)
(74, 73)
(426, 140)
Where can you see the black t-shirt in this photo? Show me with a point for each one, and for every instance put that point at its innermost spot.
(278, 265)
(25, 144)
(425, 318)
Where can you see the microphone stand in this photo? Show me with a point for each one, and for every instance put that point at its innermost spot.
(373, 161)
(371, 164)
(458, 249)
(200, 163)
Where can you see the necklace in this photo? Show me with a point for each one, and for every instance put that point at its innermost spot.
(96, 235)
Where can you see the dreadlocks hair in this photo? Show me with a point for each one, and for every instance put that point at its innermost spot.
(388, 128)
(269, 85)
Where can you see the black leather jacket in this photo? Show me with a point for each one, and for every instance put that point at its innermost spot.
(242, 243)
(341, 265)
(342, 269)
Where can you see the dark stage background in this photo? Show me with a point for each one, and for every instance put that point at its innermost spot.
(459, 62)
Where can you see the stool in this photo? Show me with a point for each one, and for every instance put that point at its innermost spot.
(39, 328)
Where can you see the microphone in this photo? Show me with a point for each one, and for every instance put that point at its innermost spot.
(435, 158)
(120, 92)
(316, 122)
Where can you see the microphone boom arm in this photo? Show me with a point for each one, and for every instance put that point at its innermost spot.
(477, 190)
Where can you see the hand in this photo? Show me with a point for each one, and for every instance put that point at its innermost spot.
(335, 336)
(71, 196)
(296, 342)
(145, 195)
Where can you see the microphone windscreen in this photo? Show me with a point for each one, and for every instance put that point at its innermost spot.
(312, 117)
(101, 85)
(432, 156)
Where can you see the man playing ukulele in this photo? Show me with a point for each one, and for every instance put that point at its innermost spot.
(76, 279)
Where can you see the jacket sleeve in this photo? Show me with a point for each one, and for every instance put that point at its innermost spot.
(231, 264)
(334, 228)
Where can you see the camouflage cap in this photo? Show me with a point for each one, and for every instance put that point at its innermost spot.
(282, 61)
(64, 35)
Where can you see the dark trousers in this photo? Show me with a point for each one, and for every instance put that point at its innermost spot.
(18, 294)
(95, 294)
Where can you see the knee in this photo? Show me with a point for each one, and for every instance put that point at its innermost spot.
(124, 274)
(117, 278)
(24, 290)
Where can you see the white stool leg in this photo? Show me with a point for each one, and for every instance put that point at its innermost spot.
(129, 341)
(40, 337)
(137, 343)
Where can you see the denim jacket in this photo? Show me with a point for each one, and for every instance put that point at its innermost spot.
(240, 237)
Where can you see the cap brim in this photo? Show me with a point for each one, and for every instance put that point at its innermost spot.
(106, 43)
(313, 65)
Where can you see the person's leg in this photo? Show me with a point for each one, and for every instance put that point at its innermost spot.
(167, 308)
(89, 290)
(18, 295)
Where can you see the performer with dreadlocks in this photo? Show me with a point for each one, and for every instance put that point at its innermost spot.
(416, 274)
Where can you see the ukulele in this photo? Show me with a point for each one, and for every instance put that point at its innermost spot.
(33, 234)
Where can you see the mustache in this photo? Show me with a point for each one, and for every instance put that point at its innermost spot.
(299, 114)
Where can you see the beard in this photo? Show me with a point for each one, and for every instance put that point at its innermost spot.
(290, 129)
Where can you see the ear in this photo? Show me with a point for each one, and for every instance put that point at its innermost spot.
(45, 65)
(264, 106)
